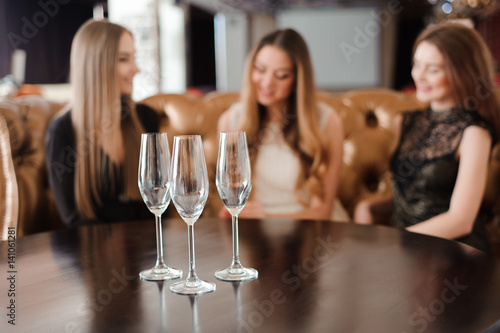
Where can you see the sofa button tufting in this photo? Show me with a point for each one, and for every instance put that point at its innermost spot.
(371, 119)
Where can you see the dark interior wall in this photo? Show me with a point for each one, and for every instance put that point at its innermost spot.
(409, 28)
(44, 29)
(4, 54)
(201, 59)
(489, 28)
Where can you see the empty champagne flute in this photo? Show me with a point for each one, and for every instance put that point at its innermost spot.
(234, 183)
(189, 191)
(154, 185)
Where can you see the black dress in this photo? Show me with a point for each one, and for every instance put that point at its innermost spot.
(424, 167)
(61, 158)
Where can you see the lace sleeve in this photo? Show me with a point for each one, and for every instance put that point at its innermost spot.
(428, 134)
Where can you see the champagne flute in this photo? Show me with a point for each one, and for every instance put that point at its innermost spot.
(154, 162)
(189, 191)
(234, 183)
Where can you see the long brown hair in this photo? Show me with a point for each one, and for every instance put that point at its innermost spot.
(301, 127)
(97, 113)
(469, 66)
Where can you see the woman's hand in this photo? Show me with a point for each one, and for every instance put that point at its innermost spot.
(367, 208)
(363, 212)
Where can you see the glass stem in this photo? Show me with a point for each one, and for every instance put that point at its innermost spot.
(236, 247)
(159, 243)
(192, 273)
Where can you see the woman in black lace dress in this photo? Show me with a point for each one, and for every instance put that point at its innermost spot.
(440, 162)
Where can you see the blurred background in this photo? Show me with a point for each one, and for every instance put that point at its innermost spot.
(198, 46)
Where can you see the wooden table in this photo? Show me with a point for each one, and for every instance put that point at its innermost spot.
(313, 277)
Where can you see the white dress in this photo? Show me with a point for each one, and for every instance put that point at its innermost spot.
(277, 168)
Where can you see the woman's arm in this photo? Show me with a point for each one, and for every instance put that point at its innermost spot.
(367, 208)
(474, 151)
(321, 208)
(61, 159)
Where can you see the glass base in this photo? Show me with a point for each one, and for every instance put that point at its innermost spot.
(192, 288)
(160, 274)
(236, 274)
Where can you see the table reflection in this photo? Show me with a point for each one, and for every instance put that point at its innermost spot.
(440, 285)
(313, 277)
(289, 255)
(162, 289)
(193, 301)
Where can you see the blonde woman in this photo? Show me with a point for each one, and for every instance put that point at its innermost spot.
(295, 142)
(93, 148)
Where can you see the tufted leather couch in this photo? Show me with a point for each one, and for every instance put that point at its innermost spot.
(367, 117)
(366, 114)
(26, 201)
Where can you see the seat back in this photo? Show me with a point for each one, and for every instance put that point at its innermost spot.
(182, 115)
(367, 117)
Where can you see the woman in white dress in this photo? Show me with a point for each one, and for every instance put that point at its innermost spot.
(295, 142)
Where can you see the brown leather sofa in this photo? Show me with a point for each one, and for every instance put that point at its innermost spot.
(23, 166)
(367, 118)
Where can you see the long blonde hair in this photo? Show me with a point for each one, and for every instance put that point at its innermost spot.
(99, 121)
(301, 127)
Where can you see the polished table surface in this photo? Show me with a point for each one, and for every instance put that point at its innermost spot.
(313, 277)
